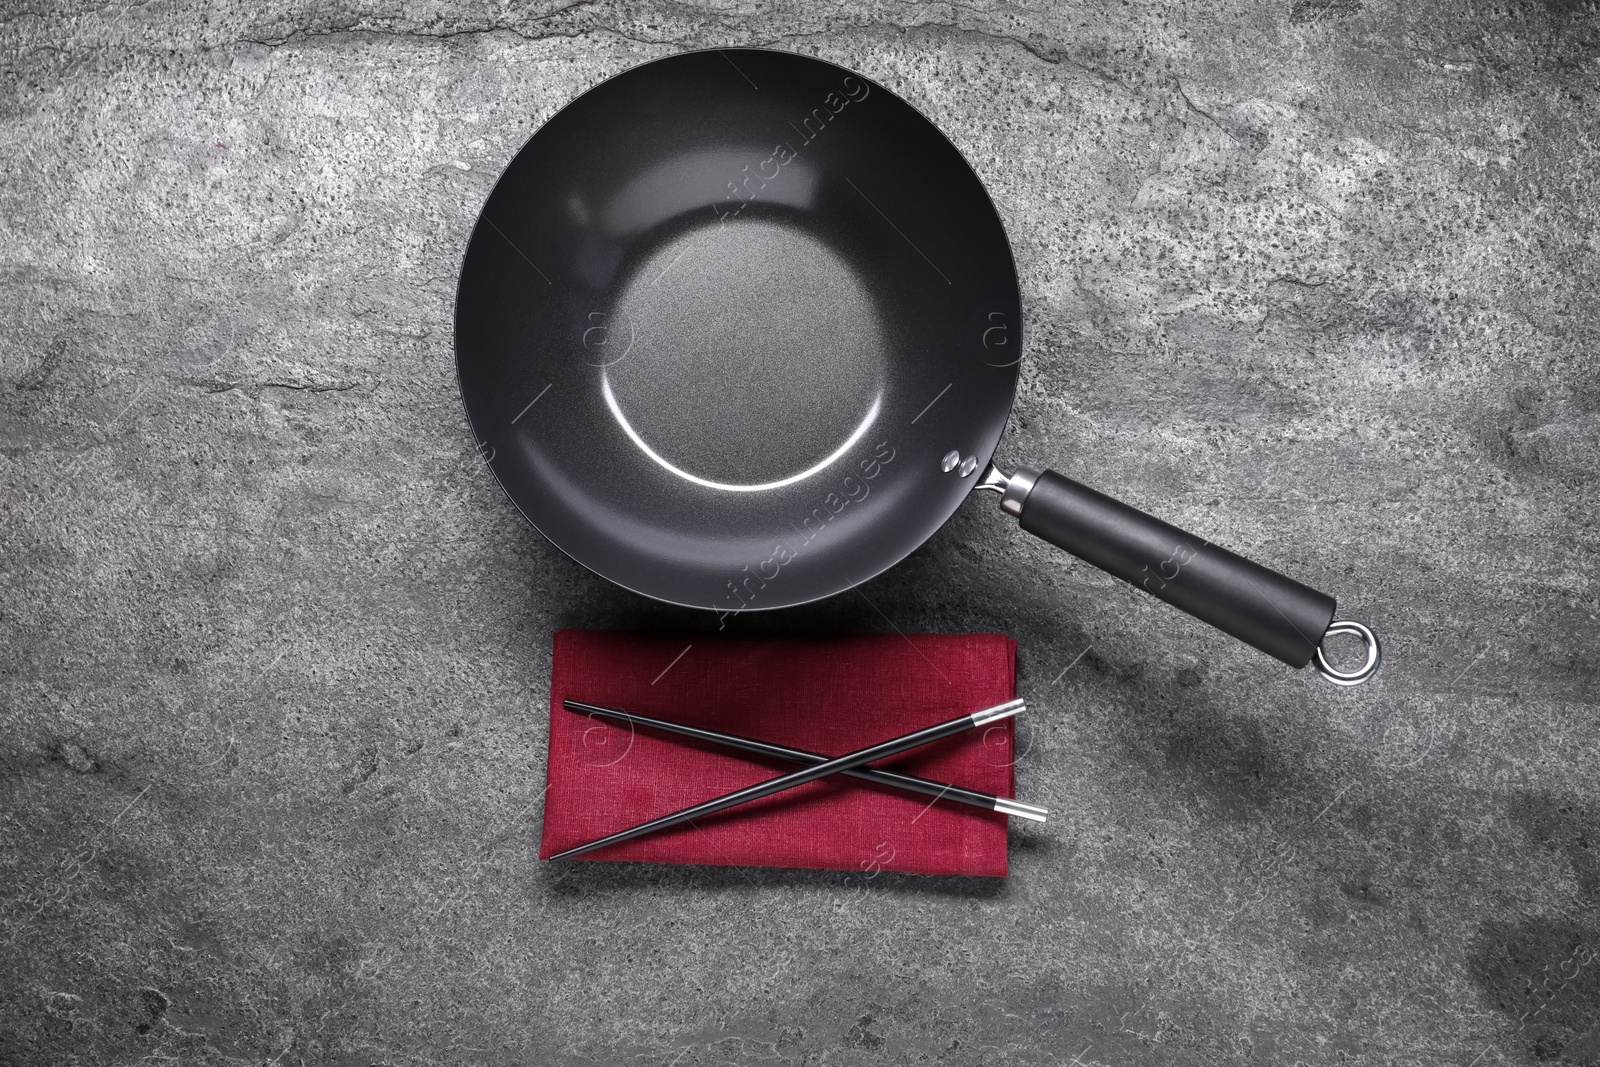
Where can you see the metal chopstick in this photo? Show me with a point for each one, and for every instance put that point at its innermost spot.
(893, 779)
(850, 760)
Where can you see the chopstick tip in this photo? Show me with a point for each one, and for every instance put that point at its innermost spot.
(1031, 812)
(998, 712)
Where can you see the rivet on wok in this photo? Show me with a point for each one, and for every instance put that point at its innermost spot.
(969, 465)
(948, 463)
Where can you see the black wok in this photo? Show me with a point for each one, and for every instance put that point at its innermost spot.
(740, 329)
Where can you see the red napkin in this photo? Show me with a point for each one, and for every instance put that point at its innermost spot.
(825, 694)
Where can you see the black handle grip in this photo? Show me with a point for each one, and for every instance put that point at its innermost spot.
(1260, 607)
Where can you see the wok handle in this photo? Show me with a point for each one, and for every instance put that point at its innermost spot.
(1259, 606)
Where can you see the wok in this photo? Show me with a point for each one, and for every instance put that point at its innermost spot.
(740, 329)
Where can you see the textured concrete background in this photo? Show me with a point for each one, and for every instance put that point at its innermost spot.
(1316, 278)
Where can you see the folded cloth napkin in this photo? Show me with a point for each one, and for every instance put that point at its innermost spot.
(825, 694)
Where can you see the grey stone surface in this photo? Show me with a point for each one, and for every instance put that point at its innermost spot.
(1317, 278)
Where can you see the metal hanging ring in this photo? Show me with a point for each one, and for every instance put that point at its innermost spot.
(1360, 674)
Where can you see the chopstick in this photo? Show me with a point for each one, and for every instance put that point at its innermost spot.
(893, 779)
(849, 761)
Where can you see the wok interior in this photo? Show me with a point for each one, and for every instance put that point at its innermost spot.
(717, 338)
(754, 353)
